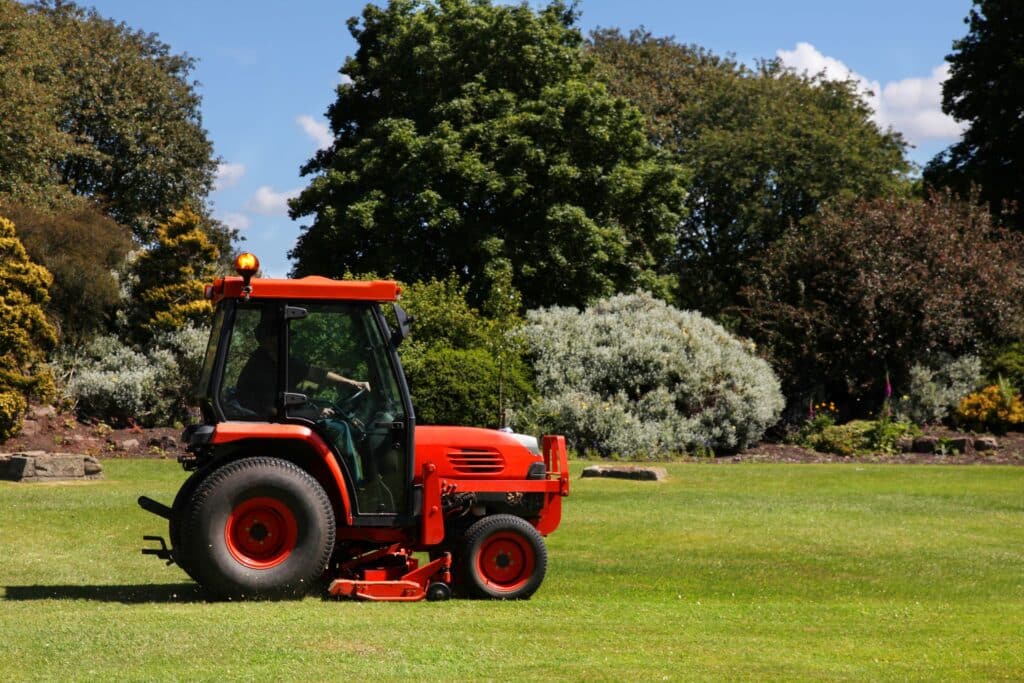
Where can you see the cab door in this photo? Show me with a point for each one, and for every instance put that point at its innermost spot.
(342, 378)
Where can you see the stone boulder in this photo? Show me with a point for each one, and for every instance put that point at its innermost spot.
(42, 466)
(626, 472)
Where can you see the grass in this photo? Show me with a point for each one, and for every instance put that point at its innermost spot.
(835, 572)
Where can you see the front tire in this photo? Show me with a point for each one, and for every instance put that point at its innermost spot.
(259, 527)
(503, 557)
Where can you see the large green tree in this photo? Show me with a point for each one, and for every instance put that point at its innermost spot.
(30, 78)
(470, 132)
(766, 148)
(93, 108)
(986, 72)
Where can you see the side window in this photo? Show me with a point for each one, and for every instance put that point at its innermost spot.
(339, 360)
(248, 389)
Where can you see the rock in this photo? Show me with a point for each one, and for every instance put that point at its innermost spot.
(30, 427)
(40, 412)
(129, 444)
(961, 444)
(60, 466)
(91, 466)
(626, 472)
(905, 444)
(40, 466)
(164, 443)
(925, 444)
(986, 443)
(16, 467)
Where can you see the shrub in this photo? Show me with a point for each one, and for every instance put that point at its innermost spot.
(464, 368)
(873, 287)
(25, 333)
(110, 381)
(1006, 361)
(456, 386)
(845, 439)
(935, 393)
(856, 437)
(632, 376)
(996, 408)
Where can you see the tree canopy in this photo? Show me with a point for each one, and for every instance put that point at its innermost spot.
(986, 70)
(868, 289)
(765, 148)
(471, 131)
(92, 108)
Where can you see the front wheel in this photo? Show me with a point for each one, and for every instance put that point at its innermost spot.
(259, 527)
(503, 557)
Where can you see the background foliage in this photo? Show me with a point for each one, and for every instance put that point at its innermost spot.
(983, 90)
(872, 288)
(765, 148)
(473, 131)
(25, 333)
(632, 376)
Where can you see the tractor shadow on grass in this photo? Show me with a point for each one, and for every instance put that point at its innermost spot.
(128, 595)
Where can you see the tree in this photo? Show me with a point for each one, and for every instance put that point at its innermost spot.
(25, 334)
(92, 108)
(130, 99)
(986, 70)
(466, 122)
(871, 288)
(171, 276)
(765, 147)
(30, 141)
(81, 248)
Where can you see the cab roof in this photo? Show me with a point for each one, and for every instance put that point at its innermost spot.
(312, 287)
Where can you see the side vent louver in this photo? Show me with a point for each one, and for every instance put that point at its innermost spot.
(476, 461)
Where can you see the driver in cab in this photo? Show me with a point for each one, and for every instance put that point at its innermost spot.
(257, 383)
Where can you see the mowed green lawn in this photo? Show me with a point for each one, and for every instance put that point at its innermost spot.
(724, 572)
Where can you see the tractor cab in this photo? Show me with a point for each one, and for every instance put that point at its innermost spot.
(327, 365)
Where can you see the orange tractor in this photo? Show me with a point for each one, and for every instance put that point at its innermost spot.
(314, 467)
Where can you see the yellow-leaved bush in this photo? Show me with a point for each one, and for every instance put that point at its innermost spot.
(995, 407)
(25, 333)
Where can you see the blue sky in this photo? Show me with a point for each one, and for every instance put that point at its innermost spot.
(268, 68)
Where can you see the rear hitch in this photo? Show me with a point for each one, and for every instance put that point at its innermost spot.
(152, 506)
(163, 552)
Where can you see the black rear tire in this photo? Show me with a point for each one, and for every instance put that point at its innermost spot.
(258, 528)
(180, 508)
(502, 557)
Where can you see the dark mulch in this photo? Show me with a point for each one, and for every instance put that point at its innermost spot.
(52, 432)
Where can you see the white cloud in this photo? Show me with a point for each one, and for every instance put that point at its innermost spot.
(237, 221)
(317, 130)
(267, 202)
(227, 175)
(912, 106)
(345, 79)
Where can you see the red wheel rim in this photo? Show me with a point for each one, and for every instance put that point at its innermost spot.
(261, 532)
(506, 561)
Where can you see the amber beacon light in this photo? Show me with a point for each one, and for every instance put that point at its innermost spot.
(246, 265)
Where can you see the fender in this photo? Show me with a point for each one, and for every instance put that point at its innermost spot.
(230, 432)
